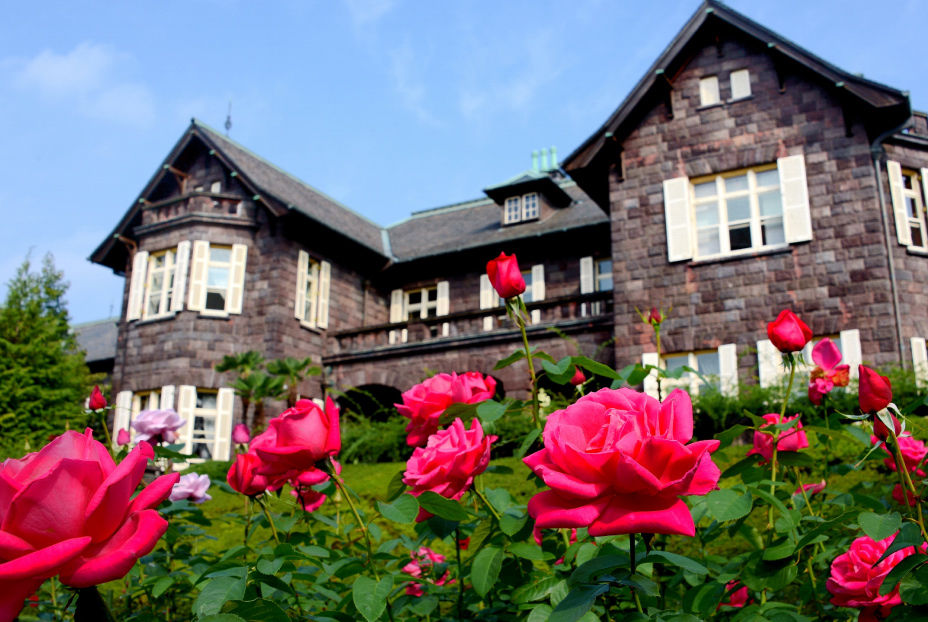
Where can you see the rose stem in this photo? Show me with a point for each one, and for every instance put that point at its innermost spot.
(904, 476)
(367, 538)
(270, 521)
(631, 553)
(248, 519)
(486, 503)
(657, 335)
(776, 440)
(457, 546)
(804, 495)
(520, 320)
(106, 433)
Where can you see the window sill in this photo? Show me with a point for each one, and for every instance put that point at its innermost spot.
(709, 106)
(741, 99)
(214, 315)
(776, 250)
(155, 319)
(918, 251)
(310, 327)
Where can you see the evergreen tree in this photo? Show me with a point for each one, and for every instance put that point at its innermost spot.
(43, 377)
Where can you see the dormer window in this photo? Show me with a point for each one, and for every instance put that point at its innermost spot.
(530, 206)
(513, 210)
(521, 208)
(216, 187)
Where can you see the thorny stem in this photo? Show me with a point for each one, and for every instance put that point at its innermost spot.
(486, 503)
(367, 537)
(520, 320)
(804, 494)
(270, 521)
(632, 563)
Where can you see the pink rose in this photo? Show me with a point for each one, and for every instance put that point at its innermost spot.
(578, 378)
(303, 483)
(421, 566)
(243, 476)
(425, 403)
(449, 462)
(617, 462)
(793, 439)
(819, 388)
(240, 434)
(875, 391)
(68, 510)
(155, 426)
(855, 579)
(505, 276)
(897, 495)
(738, 598)
(827, 357)
(122, 437)
(297, 439)
(309, 498)
(913, 453)
(191, 486)
(811, 489)
(96, 401)
(788, 333)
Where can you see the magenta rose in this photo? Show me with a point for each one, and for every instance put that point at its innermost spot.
(68, 510)
(793, 439)
(617, 462)
(297, 439)
(913, 453)
(423, 561)
(738, 599)
(96, 401)
(856, 577)
(191, 486)
(909, 497)
(472, 387)
(449, 462)
(123, 438)
(425, 403)
(243, 476)
(155, 426)
(505, 276)
(240, 434)
(788, 333)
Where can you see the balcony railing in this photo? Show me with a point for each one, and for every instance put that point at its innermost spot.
(571, 312)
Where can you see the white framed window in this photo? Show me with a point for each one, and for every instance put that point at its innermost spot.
(517, 209)
(158, 284)
(740, 84)
(604, 281)
(421, 303)
(908, 191)
(530, 206)
(312, 291)
(159, 290)
(709, 91)
(736, 212)
(207, 433)
(513, 210)
(718, 367)
(919, 361)
(217, 279)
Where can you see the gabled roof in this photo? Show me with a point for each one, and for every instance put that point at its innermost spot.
(713, 15)
(97, 339)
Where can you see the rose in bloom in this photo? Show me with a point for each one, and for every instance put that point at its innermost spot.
(897, 495)
(738, 598)
(876, 392)
(97, 401)
(240, 434)
(297, 439)
(819, 388)
(449, 462)
(788, 333)
(505, 276)
(855, 579)
(792, 439)
(913, 453)
(828, 373)
(302, 484)
(425, 403)
(243, 476)
(68, 510)
(122, 437)
(421, 566)
(617, 462)
(578, 378)
(191, 486)
(155, 426)
(811, 489)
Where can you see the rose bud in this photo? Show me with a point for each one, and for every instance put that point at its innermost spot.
(97, 401)
(122, 437)
(578, 378)
(875, 391)
(505, 276)
(882, 432)
(655, 316)
(240, 434)
(788, 333)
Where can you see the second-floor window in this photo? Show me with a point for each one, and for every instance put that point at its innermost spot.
(312, 291)
(217, 278)
(908, 189)
(604, 275)
(158, 283)
(159, 290)
(518, 209)
(218, 274)
(421, 303)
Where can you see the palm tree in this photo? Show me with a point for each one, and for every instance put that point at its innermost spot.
(245, 363)
(293, 371)
(264, 387)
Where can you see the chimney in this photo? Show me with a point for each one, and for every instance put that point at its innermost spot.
(535, 160)
(554, 165)
(544, 160)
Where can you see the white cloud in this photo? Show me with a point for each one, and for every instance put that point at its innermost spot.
(88, 78)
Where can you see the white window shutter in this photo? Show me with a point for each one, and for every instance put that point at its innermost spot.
(920, 362)
(769, 363)
(225, 401)
(586, 275)
(538, 282)
(121, 414)
(322, 306)
(197, 299)
(677, 219)
(137, 285)
(924, 173)
(444, 298)
(728, 369)
(396, 306)
(302, 266)
(167, 397)
(488, 323)
(794, 195)
(536, 316)
(186, 405)
(903, 233)
(488, 298)
(650, 381)
(237, 278)
(181, 266)
(850, 350)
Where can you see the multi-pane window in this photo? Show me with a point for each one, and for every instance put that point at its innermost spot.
(421, 303)
(517, 209)
(604, 275)
(311, 291)
(203, 437)
(218, 273)
(738, 212)
(530, 206)
(513, 210)
(159, 289)
(706, 363)
(914, 207)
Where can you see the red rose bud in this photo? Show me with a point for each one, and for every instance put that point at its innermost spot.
(875, 391)
(505, 276)
(655, 316)
(578, 378)
(882, 432)
(788, 333)
(97, 401)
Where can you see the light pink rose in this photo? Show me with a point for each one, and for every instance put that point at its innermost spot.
(449, 462)
(423, 561)
(617, 462)
(855, 580)
(793, 439)
(68, 510)
(297, 439)
(240, 434)
(155, 426)
(191, 486)
(425, 403)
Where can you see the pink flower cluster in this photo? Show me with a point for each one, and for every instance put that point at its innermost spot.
(792, 439)
(828, 373)
(421, 567)
(425, 403)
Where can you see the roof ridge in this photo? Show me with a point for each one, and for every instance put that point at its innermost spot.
(95, 322)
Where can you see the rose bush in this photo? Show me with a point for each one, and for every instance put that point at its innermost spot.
(425, 403)
(793, 439)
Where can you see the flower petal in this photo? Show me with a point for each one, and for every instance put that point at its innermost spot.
(553, 511)
(644, 515)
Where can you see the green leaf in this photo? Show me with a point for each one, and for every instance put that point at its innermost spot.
(485, 569)
(822, 528)
(370, 597)
(265, 566)
(728, 436)
(879, 526)
(457, 410)
(518, 355)
(779, 549)
(539, 614)
(396, 486)
(596, 367)
(403, 510)
(221, 617)
(587, 571)
(164, 452)
(535, 590)
(527, 550)
(703, 598)
(726, 504)
(490, 411)
(561, 373)
(448, 509)
(480, 534)
(771, 575)
(424, 606)
(527, 443)
(577, 602)
(511, 522)
(499, 498)
(259, 610)
(899, 572)
(162, 586)
(770, 499)
(914, 588)
(216, 593)
(909, 535)
(795, 458)
(658, 557)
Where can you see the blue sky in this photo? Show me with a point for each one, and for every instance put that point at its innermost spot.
(388, 106)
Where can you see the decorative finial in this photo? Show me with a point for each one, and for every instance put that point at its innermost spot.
(229, 119)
